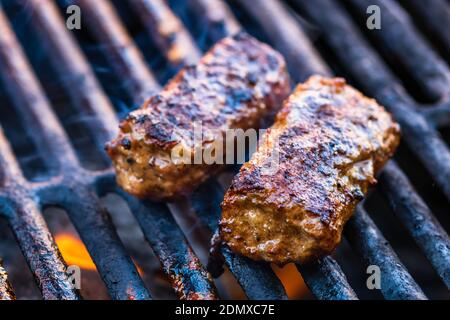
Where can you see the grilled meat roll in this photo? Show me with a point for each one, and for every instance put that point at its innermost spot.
(289, 203)
(235, 85)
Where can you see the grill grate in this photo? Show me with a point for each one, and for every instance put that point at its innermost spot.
(77, 190)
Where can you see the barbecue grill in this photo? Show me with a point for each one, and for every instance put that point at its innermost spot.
(403, 66)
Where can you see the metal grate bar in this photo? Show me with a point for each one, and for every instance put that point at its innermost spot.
(361, 61)
(189, 279)
(348, 44)
(29, 98)
(39, 248)
(6, 290)
(326, 280)
(403, 42)
(282, 28)
(367, 240)
(23, 86)
(172, 39)
(24, 218)
(123, 54)
(415, 215)
(439, 115)
(216, 17)
(435, 16)
(76, 74)
(422, 138)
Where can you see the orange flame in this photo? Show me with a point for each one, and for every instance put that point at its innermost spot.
(292, 281)
(74, 252)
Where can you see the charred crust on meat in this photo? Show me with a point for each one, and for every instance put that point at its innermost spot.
(126, 143)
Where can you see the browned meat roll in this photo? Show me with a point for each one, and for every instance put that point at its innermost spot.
(235, 85)
(289, 203)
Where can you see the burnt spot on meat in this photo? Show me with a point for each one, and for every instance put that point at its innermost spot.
(126, 143)
(235, 98)
(172, 104)
(172, 119)
(157, 98)
(160, 133)
(140, 119)
(326, 110)
(252, 78)
(357, 194)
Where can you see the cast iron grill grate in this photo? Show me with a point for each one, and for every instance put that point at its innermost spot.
(77, 189)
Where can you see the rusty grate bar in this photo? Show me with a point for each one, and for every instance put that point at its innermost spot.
(18, 207)
(189, 279)
(6, 290)
(326, 280)
(367, 240)
(439, 115)
(216, 18)
(17, 203)
(123, 54)
(172, 39)
(99, 236)
(399, 33)
(286, 35)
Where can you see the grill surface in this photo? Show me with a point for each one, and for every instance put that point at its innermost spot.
(77, 189)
